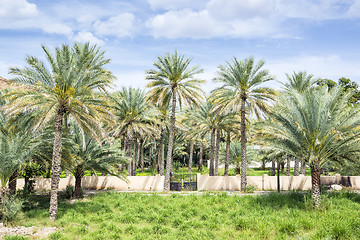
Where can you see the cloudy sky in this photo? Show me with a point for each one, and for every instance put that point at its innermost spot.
(321, 37)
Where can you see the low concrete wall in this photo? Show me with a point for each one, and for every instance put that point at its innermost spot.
(265, 182)
(136, 183)
(204, 182)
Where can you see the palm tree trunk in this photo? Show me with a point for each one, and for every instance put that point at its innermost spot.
(56, 163)
(133, 169)
(129, 145)
(201, 155)
(171, 143)
(142, 155)
(273, 167)
(216, 172)
(227, 156)
(78, 177)
(315, 186)
(288, 166)
(278, 176)
(162, 152)
(150, 153)
(212, 150)
(296, 167)
(12, 182)
(191, 155)
(243, 144)
(302, 170)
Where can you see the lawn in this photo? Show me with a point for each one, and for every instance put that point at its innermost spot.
(110, 215)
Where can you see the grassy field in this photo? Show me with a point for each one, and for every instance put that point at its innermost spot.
(110, 215)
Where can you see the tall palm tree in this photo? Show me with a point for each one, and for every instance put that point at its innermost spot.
(65, 90)
(135, 119)
(241, 92)
(316, 126)
(300, 82)
(82, 152)
(173, 81)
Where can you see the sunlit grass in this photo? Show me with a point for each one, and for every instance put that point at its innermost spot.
(110, 215)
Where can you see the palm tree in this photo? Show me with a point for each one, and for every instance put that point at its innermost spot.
(241, 92)
(316, 126)
(82, 152)
(173, 81)
(135, 119)
(65, 90)
(300, 82)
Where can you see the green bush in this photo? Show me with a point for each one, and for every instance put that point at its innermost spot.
(69, 191)
(10, 208)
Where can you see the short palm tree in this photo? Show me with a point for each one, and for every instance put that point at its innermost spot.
(316, 126)
(66, 89)
(241, 92)
(82, 152)
(173, 81)
(300, 82)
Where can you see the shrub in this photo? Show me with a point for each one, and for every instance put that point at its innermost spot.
(250, 189)
(9, 208)
(69, 192)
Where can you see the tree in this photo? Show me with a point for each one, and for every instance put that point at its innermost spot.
(135, 119)
(316, 126)
(65, 90)
(300, 82)
(241, 92)
(82, 152)
(173, 81)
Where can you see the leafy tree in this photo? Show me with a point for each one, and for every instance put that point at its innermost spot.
(173, 81)
(241, 93)
(82, 152)
(135, 119)
(65, 90)
(316, 126)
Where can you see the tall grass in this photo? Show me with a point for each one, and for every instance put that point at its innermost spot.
(110, 215)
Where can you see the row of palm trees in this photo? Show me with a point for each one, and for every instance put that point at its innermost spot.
(67, 97)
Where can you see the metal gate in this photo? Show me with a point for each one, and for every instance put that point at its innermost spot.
(186, 182)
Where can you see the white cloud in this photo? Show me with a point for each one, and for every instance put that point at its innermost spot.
(15, 9)
(176, 4)
(121, 25)
(56, 28)
(88, 37)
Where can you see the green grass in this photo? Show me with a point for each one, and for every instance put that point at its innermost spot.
(110, 215)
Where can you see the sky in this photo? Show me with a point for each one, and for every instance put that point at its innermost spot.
(321, 37)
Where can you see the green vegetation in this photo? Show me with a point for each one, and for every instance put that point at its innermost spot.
(111, 215)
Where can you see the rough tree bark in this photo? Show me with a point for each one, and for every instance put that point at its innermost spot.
(302, 170)
(12, 182)
(171, 143)
(142, 155)
(56, 165)
(288, 166)
(201, 155)
(216, 170)
(243, 144)
(212, 150)
(273, 167)
(227, 156)
(296, 167)
(191, 155)
(162, 152)
(315, 186)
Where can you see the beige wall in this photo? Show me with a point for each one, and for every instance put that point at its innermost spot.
(143, 183)
(204, 182)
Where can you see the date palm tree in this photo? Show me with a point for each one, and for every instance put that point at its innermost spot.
(65, 89)
(171, 81)
(82, 152)
(135, 119)
(315, 126)
(241, 93)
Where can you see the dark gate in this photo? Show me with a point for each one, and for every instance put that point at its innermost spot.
(186, 182)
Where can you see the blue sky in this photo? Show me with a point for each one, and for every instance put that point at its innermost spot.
(318, 36)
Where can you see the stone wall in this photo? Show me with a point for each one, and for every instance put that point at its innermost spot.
(204, 182)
